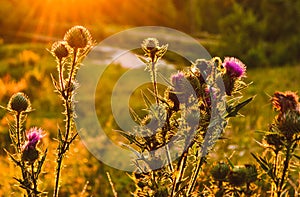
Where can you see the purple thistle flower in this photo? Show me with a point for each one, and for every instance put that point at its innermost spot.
(34, 135)
(177, 79)
(234, 67)
(29, 152)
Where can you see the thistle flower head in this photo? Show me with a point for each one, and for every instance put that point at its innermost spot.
(19, 102)
(289, 123)
(274, 139)
(34, 135)
(220, 171)
(152, 49)
(177, 79)
(237, 176)
(251, 173)
(59, 49)
(29, 152)
(78, 37)
(285, 101)
(234, 67)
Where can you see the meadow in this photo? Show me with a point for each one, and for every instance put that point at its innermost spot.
(27, 68)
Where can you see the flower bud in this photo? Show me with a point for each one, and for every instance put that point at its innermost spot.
(289, 123)
(274, 139)
(237, 177)
(30, 154)
(19, 102)
(78, 37)
(59, 49)
(152, 49)
(251, 173)
(29, 150)
(220, 171)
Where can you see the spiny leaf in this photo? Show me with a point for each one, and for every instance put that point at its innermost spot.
(143, 59)
(59, 135)
(131, 138)
(41, 162)
(233, 111)
(165, 79)
(146, 100)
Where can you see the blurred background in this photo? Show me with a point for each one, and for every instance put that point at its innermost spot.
(264, 34)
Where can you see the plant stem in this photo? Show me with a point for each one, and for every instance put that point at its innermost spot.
(285, 168)
(180, 170)
(72, 70)
(153, 73)
(65, 143)
(33, 180)
(62, 86)
(57, 177)
(18, 132)
(195, 175)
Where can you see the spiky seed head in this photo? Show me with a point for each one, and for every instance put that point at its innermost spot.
(59, 49)
(152, 49)
(289, 123)
(19, 102)
(78, 37)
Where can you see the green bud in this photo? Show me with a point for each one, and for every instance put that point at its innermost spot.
(220, 171)
(19, 102)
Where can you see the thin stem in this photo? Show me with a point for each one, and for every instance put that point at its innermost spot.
(18, 132)
(285, 168)
(180, 169)
(169, 157)
(33, 180)
(195, 175)
(153, 73)
(72, 69)
(57, 177)
(62, 86)
(65, 143)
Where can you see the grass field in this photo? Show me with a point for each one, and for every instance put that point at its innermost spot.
(27, 68)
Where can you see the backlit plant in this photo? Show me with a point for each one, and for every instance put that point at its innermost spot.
(192, 114)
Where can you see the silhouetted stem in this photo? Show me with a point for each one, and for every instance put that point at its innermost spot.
(18, 132)
(65, 143)
(33, 180)
(195, 175)
(153, 73)
(285, 168)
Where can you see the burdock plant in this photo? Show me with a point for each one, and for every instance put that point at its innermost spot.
(69, 54)
(182, 118)
(281, 142)
(25, 155)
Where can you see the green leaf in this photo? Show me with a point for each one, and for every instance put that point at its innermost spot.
(233, 111)
(41, 162)
(131, 138)
(146, 100)
(165, 79)
(143, 59)
(230, 162)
